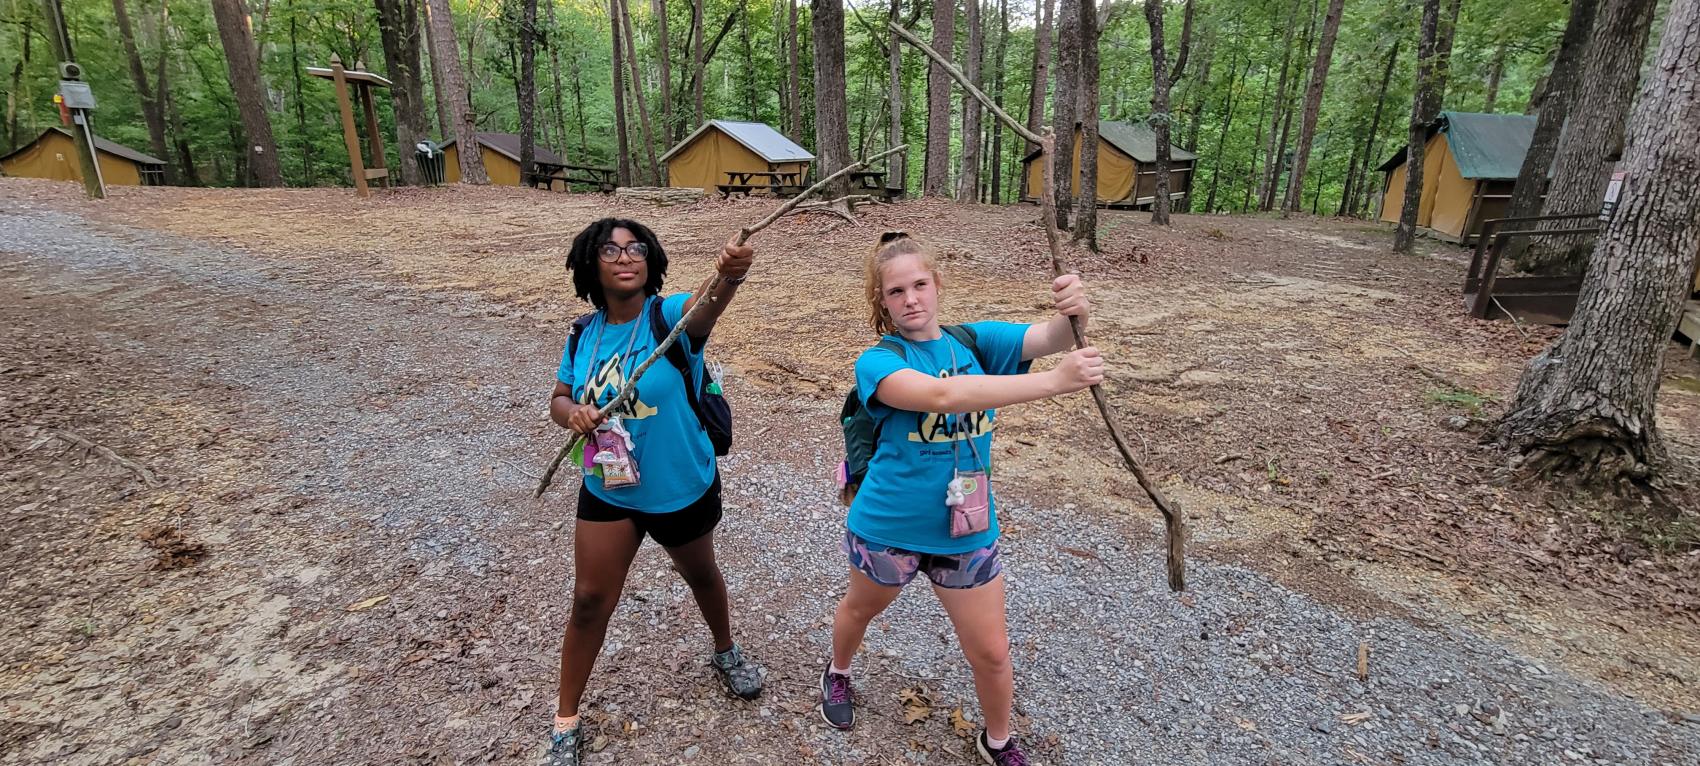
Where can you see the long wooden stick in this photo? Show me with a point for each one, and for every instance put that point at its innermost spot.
(629, 390)
(1173, 522)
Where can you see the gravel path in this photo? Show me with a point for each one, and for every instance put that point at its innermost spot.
(381, 439)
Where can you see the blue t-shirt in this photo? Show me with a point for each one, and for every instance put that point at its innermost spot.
(674, 456)
(901, 501)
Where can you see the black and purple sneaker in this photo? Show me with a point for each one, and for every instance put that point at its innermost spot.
(837, 699)
(1008, 755)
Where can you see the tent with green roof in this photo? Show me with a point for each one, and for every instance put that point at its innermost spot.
(1470, 163)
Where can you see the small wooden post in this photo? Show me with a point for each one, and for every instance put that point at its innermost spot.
(350, 137)
(373, 135)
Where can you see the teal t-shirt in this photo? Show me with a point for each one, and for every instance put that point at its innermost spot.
(674, 456)
(901, 501)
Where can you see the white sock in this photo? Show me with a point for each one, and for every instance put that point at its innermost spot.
(835, 669)
(996, 744)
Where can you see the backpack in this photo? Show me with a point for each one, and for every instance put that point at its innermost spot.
(707, 400)
(861, 431)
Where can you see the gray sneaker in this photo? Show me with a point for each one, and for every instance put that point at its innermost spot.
(837, 699)
(1008, 755)
(742, 677)
(563, 748)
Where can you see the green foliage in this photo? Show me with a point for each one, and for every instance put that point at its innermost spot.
(1237, 52)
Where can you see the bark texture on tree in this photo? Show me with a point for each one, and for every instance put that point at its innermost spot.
(1554, 100)
(527, 101)
(398, 25)
(1086, 197)
(697, 62)
(243, 63)
(1065, 106)
(968, 180)
(1593, 132)
(153, 113)
(622, 140)
(832, 119)
(935, 180)
(997, 129)
(445, 118)
(1040, 82)
(1586, 406)
(447, 58)
(1313, 107)
(1162, 80)
(898, 165)
(1271, 163)
(1406, 234)
(664, 56)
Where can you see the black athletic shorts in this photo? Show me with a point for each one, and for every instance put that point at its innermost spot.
(669, 530)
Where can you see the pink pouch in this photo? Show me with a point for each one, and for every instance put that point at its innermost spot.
(974, 514)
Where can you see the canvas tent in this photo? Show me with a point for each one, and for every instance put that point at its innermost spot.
(702, 160)
(53, 155)
(1127, 170)
(501, 158)
(1470, 163)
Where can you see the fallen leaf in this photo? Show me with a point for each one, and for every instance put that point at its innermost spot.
(1357, 718)
(600, 742)
(361, 606)
(915, 713)
(961, 725)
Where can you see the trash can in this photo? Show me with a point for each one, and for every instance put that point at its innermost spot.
(430, 156)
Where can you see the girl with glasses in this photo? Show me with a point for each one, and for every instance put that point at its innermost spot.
(650, 468)
(925, 504)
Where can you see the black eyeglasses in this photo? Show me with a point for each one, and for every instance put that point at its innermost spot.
(610, 252)
(892, 236)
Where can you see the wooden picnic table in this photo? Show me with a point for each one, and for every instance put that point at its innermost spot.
(549, 172)
(782, 183)
(873, 182)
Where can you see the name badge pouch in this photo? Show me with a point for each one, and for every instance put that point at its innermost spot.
(610, 450)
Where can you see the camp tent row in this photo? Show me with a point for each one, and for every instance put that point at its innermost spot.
(53, 154)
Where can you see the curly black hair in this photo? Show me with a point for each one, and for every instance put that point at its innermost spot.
(584, 263)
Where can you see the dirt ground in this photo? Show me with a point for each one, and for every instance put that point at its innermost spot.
(1312, 401)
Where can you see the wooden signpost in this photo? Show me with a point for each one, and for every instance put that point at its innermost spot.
(363, 83)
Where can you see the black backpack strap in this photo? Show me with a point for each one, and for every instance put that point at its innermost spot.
(967, 337)
(579, 326)
(676, 356)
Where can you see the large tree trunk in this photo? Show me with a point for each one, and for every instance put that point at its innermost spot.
(1368, 156)
(445, 53)
(1313, 107)
(997, 128)
(968, 180)
(622, 142)
(398, 25)
(1553, 99)
(1161, 81)
(698, 8)
(641, 100)
(527, 101)
(832, 119)
(1065, 106)
(1593, 134)
(152, 113)
(897, 166)
(242, 61)
(1421, 115)
(1040, 82)
(1086, 197)
(1587, 404)
(445, 115)
(935, 181)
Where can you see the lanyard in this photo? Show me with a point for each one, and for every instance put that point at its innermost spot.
(954, 459)
(626, 358)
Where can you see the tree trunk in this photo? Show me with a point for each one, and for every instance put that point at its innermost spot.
(1251, 175)
(1040, 83)
(527, 101)
(897, 166)
(578, 105)
(997, 128)
(1271, 163)
(13, 95)
(1313, 107)
(1593, 134)
(642, 101)
(698, 8)
(447, 57)
(1065, 106)
(398, 26)
(151, 111)
(832, 120)
(185, 158)
(1368, 156)
(664, 53)
(617, 70)
(1587, 404)
(792, 70)
(968, 180)
(1086, 197)
(243, 63)
(1222, 138)
(1421, 116)
(1161, 81)
(445, 115)
(553, 42)
(1555, 98)
(1496, 73)
(1199, 91)
(936, 180)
